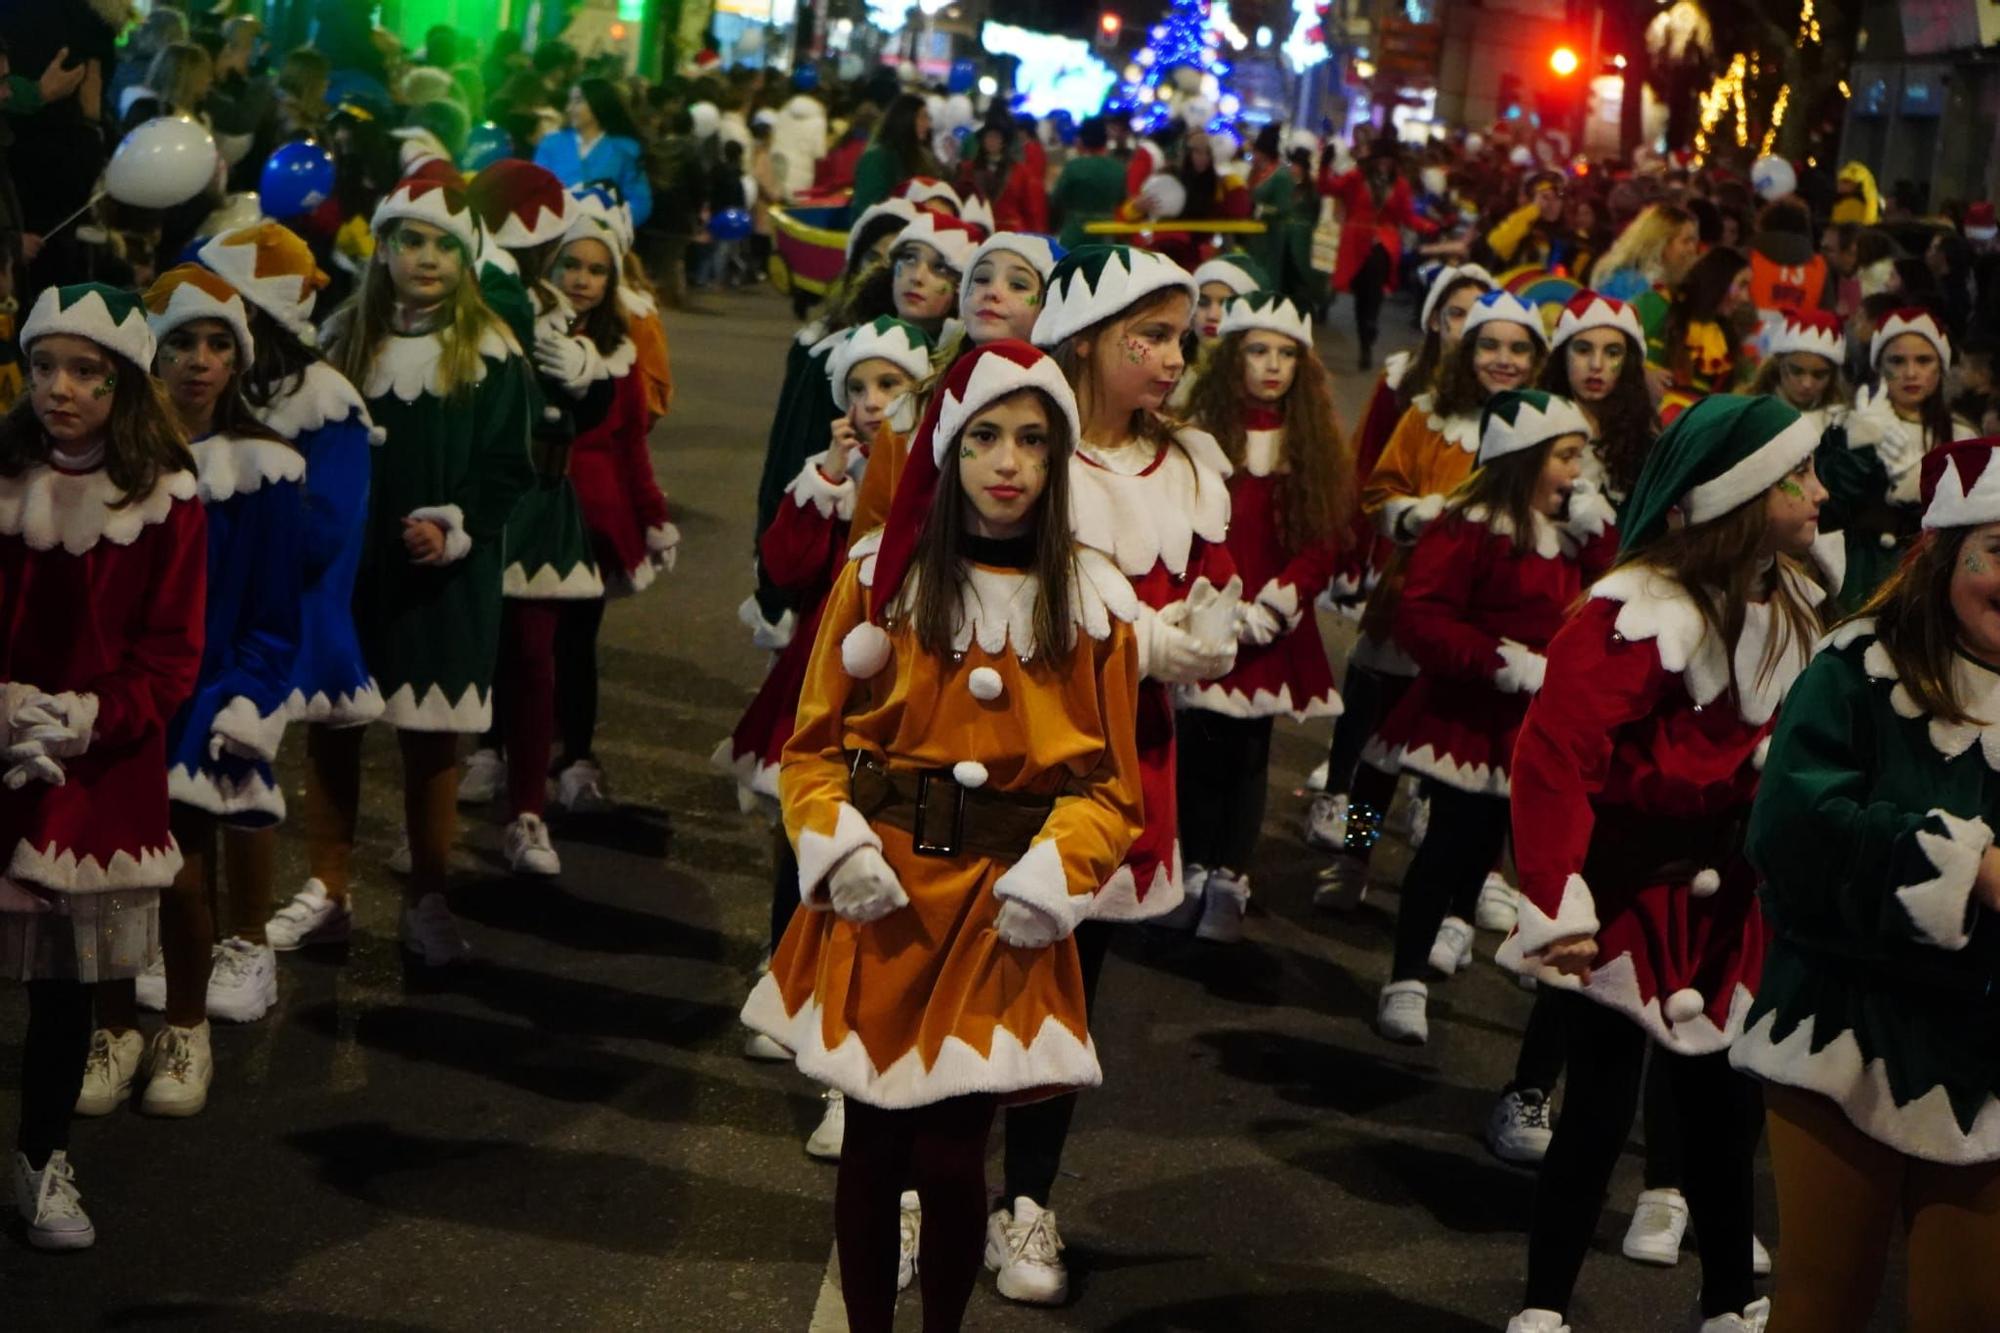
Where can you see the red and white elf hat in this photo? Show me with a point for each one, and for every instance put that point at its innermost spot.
(922, 190)
(588, 226)
(1910, 319)
(187, 292)
(888, 208)
(519, 204)
(1961, 487)
(1817, 331)
(1588, 310)
(952, 238)
(977, 211)
(271, 268)
(429, 200)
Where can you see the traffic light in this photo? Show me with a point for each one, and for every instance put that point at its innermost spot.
(1509, 96)
(1109, 25)
(1563, 61)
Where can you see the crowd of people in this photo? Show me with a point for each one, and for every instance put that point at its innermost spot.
(1678, 609)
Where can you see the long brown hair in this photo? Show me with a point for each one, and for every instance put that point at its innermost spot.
(1505, 488)
(937, 571)
(1422, 373)
(366, 319)
(143, 438)
(234, 414)
(1315, 499)
(1626, 423)
(1459, 392)
(1838, 392)
(1081, 371)
(1912, 614)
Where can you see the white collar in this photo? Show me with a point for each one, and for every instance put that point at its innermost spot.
(996, 606)
(45, 506)
(407, 366)
(1977, 688)
(1153, 517)
(229, 465)
(1550, 542)
(323, 395)
(1461, 430)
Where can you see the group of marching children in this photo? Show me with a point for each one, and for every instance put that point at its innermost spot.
(216, 520)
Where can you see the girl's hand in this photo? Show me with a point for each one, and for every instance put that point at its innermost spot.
(1986, 884)
(844, 442)
(424, 540)
(1571, 957)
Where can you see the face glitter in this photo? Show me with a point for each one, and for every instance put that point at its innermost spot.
(1791, 490)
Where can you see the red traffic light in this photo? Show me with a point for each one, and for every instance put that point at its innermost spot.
(1108, 24)
(1563, 61)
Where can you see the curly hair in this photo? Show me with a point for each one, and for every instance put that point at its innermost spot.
(1459, 391)
(1626, 423)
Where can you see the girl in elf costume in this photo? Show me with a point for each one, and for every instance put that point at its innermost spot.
(1216, 283)
(102, 567)
(1631, 778)
(1265, 398)
(450, 388)
(1431, 451)
(962, 779)
(1404, 378)
(637, 301)
(624, 509)
(1484, 591)
(1872, 1030)
(1804, 368)
(1873, 481)
(1597, 359)
(221, 743)
(294, 392)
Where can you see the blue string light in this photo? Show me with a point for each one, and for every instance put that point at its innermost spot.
(1183, 39)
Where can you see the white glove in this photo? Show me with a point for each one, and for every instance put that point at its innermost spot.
(27, 761)
(663, 546)
(220, 745)
(1026, 927)
(1410, 524)
(862, 888)
(1257, 624)
(1521, 669)
(574, 363)
(1169, 653)
(1590, 513)
(60, 723)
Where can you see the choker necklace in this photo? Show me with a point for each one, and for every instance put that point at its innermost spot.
(999, 552)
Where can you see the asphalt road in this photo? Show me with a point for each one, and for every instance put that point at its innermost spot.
(563, 1134)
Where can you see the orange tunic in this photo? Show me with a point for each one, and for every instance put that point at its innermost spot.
(1425, 460)
(928, 1002)
(649, 338)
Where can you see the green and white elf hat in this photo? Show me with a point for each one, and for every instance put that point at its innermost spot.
(1518, 419)
(1273, 314)
(1037, 252)
(424, 199)
(1092, 283)
(901, 344)
(1447, 276)
(1235, 270)
(1501, 305)
(109, 316)
(1720, 454)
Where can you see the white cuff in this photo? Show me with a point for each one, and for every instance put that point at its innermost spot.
(1521, 669)
(1940, 908)
(239, 721)
(1590, 513)
(833, 499)
(1403, 518)
(772, 636)
(1038, 880)
(819, 853)
(1282, 600)
(457, 541)
(1575, 915)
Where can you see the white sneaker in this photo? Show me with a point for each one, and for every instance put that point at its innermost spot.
(1659, 1222)
(243, 982)
(1519, 1129)
(1760, 1258)
(1194, 884)
(108, 1072)
(757, 1046)
(431, 932)
(311, 917)
(1025, 1249)
(831, 1131)
(1326, 822)
(1537, 1321)
(1755, 1315)
(150, 986)
(399, 860)
(1316, 780)
(529, 850)
(50, 1206)
(1452, 949)
(1499, 904)
(1399, 1014)
(580, 787)
(1343, 885)
(179, 1068)
(910, 1230)
(1224, 900)
(485, 773)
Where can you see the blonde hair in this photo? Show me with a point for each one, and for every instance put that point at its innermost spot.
(366, 319)
(1642, 244)
(177, 75)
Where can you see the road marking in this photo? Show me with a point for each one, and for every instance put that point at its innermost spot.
(830, 1310)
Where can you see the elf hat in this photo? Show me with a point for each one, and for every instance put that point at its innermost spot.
(1502, 306)
(188, 292)
(1961, 488)
(977, 211)
(886, 337)
(1817, 331)
(888, 208)
(921, 190)
(519, 203)
(1447, 277)
(953, 238)
(1266, 311)
(1721, 453)
(1235, 270)
(603, 202)
(976, 380)
(111, 317)
(1517, 419)
(1093, 283)
(272, 269)
(1587, 310)
(1910, 319)
(1039, 252)
(421, 199)
(591, 227)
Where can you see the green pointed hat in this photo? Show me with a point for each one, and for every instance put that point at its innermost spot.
(1092, 283)
(1720, 454)
(1235, 270)
(893, 340)
(1517, 419)
(109, 316)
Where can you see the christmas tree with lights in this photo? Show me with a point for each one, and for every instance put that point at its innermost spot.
(1179, 72)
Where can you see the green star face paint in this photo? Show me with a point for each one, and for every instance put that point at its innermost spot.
(107, 388)
(1973, 563)
(1791, 490)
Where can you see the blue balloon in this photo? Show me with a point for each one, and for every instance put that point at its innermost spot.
(805, 78)
(487, 144)
(731, 224)
(961, 133)
(964, 73)
(297, 179)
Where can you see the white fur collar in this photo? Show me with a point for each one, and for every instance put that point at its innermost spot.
(636, 303)
(1977, 688)
(1397, 366)
(45, 507)
(996, 606)
(323, 396)
(620, 359)
(1461, 430)
(1153, 518)
(1550, 541)
(1656, 607)
(407, 366)
(236, 465)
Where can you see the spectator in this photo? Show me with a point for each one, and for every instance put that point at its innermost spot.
(678, 189)
(554, 64)
(244, 104)
(601, 144)
(798, 141)
(725, 193)
(899, 150)
(504, 61)
(835, 171)
(162, 28)
(998, 172)
(178, 84)
(441, 47)
(1091, 186)
(1840, 246)
(1654, 252)
(1949, 259)
(763, 175)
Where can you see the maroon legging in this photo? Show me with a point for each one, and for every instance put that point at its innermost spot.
(525, 682)
(940, 1151)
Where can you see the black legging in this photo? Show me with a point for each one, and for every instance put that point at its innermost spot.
(576, 677)
(1037, 1132)
(1540, 1063)
(1368, 287)
(1366, 696)
(784, 885)
(53, 1054)
(1467, 833)
(1716, 1107)
(1223, 776)
(940, 1151)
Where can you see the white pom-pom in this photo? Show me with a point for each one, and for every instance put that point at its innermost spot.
(1684, 1005)
(1888, 540)
(865, 650)
(985, 684)
(969, 773)
(1704, 883)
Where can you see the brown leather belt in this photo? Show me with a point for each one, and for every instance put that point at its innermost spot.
(944, 818)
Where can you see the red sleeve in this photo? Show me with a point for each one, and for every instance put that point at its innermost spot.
(649, 504)
(1137, 171)
(1376, 428)
(1598, 555)
(804, 546)
(1430, 620)
(162, 660)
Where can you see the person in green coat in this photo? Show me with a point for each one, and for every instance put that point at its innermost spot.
(449, 387)
(1090, 187)
(1876, 1026)
(900, 150)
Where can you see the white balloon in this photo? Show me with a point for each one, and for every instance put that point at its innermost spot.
(166, 161)
(235, 213)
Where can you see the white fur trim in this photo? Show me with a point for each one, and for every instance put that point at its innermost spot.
(1501, 306)
(240, 721)
(1403, 518)
(1448, 275)
(224, 796)
(1223, 270)
(1923, 326)
(408, 367)
(901, 208)
(286, 297)
(472, 714)
(997, 377)
(1530, 427)
(1070, 307)
(188, 302)
(773, 636)
(1600, 313)
(833, 499)
(1117, 899)
(228, 465)
(865, 650)
(62, 870)
(1271, 314)
(1153, 518)
(1461, 430)
(347, 709)
(985, 684)
(91, 318)
(754, 777)
(1281, 599)
(996, 606)
(892, 340)
(582, 583)
(1038, 880)
(1216, 697)
(1750, 477)
(819, 853)
(1615, 984)
(323, 395)
(47, 508)
(1939, 907)
(1397, 366)
(1479, 779)
(1263, 451)
(457, 541)
(1708, 880)
(1979, 689)
(1575, 915)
